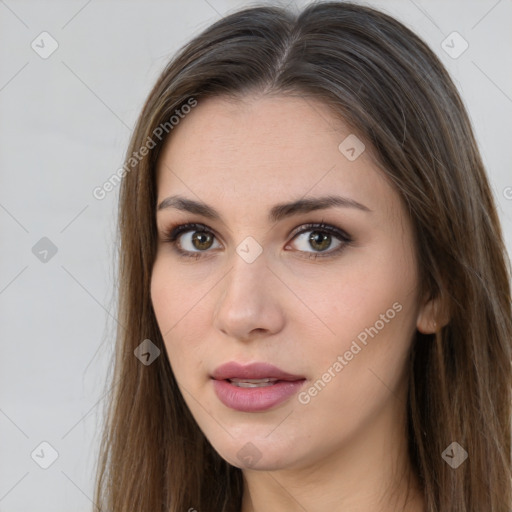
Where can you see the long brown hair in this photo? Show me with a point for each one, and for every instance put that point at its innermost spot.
(383, 81)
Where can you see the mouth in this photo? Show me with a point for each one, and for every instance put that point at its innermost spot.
(253, 383)
(255, 387)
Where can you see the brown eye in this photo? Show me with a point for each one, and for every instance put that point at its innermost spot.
(195, 241)
(320, 241)
(320, 237)
(202, 240)
(190, 239)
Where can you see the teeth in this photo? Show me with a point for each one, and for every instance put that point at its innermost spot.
(253, 383)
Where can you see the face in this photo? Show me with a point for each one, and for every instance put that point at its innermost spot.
(287, 327)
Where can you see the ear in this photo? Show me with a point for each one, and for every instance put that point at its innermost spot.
(433, 315)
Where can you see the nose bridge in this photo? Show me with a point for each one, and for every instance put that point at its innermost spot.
(246, 301)
(248, 271)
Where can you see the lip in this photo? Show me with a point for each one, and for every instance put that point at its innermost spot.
(234, 370)
(254, 399)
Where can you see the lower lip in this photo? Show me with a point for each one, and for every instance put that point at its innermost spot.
(255, 399)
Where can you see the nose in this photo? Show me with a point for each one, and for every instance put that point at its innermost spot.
(250, 302)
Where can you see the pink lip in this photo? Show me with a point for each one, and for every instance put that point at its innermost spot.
(233, 370)
(258, 398)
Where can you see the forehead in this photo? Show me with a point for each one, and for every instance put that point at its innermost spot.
(266, 149)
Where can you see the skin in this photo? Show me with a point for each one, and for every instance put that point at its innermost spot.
(344, 450)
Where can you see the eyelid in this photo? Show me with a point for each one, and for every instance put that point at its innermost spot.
(321, 226)
(173, 232)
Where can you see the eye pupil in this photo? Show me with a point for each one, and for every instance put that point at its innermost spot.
(319, 240)
(204, 240)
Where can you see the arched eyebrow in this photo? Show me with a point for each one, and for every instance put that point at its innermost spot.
(276, 213)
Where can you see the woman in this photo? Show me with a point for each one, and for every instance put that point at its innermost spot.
(312, 278)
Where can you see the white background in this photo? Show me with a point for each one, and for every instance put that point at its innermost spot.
(65, 122)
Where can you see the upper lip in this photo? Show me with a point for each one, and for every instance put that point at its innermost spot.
(234, 370)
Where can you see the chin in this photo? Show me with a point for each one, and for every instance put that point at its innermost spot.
(258, 452)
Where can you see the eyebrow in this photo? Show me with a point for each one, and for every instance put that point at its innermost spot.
(276, 213)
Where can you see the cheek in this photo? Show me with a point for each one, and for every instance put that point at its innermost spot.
(364, 287)
(356, 374)
(182, 305)
(370, 313)
(174, 300)
(175, 305)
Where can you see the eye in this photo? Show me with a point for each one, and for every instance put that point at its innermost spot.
(191, 240)
(320, 238)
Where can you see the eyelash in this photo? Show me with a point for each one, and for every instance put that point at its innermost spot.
(171, 235)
